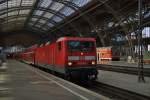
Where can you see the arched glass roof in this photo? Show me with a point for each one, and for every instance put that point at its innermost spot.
(37, 14)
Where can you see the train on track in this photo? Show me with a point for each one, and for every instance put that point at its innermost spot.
(73, 57)
(109, 53)
(114, 53)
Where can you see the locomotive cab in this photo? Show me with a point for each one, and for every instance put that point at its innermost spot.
(81, 58)
(81, 53)
(69, 56)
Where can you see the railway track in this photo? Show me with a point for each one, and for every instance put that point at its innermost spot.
(123, 69)
(116, 93)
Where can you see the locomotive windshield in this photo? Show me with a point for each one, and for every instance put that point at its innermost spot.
(84, 46)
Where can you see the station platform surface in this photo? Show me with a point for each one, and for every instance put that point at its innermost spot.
(125, 81)
(122, 63)
(19, 81)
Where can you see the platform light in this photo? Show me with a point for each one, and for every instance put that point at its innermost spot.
(69, 63)
(93, 62)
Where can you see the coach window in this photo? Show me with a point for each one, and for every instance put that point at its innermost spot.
(59, 46)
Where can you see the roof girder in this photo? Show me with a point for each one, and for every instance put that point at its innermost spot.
(35, 16)
(29, 7)
(66, 3)
(5, 11)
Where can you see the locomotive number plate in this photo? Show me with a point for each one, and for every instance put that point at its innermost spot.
(82, 57)
(81, 63)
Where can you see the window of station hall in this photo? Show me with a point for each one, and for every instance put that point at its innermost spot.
(146, 32)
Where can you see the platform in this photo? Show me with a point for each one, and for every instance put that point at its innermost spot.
(122, 63)
(19, 81)
(125, 81)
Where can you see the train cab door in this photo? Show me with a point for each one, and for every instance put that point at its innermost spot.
(98, 57)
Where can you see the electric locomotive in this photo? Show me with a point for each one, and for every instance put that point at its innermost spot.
(108, 54)
(74, 57)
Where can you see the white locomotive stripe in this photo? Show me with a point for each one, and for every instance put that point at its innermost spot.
(78, 57)
(73, 58)
(73, 92)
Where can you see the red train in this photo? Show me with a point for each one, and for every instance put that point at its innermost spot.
(107, 54)
(70, 56)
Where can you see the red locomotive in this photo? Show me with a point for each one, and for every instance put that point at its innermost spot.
(70, 56)
(107, 54)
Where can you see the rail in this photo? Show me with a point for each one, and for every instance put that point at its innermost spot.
(116, 93)
(123, 69)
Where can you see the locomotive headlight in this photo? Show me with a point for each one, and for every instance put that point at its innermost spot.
(69, 63)
(93, 62)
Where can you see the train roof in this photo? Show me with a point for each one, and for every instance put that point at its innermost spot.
(75, 38)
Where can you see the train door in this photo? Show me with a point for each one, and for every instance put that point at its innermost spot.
(98, 57)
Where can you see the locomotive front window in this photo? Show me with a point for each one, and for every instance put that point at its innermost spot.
(84, 46)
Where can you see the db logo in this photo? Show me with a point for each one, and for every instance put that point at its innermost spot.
(81, 57)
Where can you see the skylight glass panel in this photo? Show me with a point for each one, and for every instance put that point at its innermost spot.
(50, 25)
(146, 32)
(81, 3)
(3, 11)
(38, 12)
(67, 11)
(4, 15)
(45, 3)
(57, 19)
(11, 20)
(30, 24)
(21, 18)
(45, 29)
(35, 29)
(38, 25)
(57, 6)
(14, 3)
(13, 13)
(34, 19)
(48, 15)
(24, 11)
(3, 6)
(42, 21)
(27, 2)
(147, 15)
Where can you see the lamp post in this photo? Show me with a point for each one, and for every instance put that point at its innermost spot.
(140, 44)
